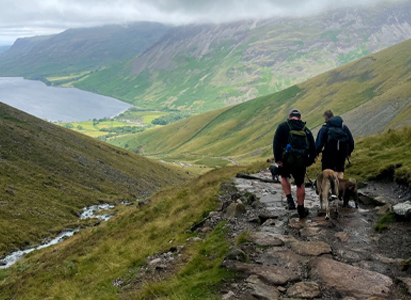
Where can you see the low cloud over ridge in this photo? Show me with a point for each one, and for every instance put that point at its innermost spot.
(39, 17)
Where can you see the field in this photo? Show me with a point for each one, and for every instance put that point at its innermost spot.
(138, 120)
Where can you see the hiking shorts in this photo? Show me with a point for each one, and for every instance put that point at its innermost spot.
(337, 164)
(298, 174)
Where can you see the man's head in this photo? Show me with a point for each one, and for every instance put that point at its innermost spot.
(294, 114)
(328, 114)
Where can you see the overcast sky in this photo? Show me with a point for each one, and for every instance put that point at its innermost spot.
(23, 18)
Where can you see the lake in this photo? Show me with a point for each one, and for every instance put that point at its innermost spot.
(55, 103)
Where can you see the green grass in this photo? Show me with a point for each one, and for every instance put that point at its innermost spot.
(383, 221)
(244, 132)
(54, 172)
(84, 266)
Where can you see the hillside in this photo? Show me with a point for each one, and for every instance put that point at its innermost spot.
(372, 94)
(209, 66)
(77, 50)
(117, 259)
(4, 48)
(49, 173)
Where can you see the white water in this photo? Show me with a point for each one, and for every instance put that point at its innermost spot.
(88, 212)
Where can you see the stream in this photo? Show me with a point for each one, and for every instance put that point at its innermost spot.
(88, 212)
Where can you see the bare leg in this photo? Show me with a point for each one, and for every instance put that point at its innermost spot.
(300, 194)
(286, 185)
(340, 175)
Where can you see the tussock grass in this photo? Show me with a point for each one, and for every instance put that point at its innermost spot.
(84, 266)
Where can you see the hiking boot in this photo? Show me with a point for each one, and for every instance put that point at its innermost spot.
(332, 198)
(302, 211)
(291, 204)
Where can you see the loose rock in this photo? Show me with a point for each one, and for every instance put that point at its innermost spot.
(260, 289)
(235, 210)
(304, 290)
(236, 254)
(407, 282)
(267, 274)
(313, 248)
(265, 239)
(403, 209)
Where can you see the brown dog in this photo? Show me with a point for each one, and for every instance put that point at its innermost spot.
(327, 182)
(346, 190)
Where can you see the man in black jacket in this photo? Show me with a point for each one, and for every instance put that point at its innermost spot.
(334, 151)
(283, 147)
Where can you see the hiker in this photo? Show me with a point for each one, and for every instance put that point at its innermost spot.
(294, 150)
(335, 142)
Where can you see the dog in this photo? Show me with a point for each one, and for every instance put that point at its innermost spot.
(274, 172)
(346, 190)
(326, 184)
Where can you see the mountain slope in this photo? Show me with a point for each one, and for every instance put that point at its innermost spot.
(371, 94)
(76, 50)
(112, 261)
(204, 67)
(48, 174)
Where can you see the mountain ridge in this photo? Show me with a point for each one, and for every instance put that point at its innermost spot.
(204, 67)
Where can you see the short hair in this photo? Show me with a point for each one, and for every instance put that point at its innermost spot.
(329, 114)
(295, 113)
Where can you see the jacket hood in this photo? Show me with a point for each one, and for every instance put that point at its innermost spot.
(296, 124)
(335, 122)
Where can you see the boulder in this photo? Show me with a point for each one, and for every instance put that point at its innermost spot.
(403, 209)
(266, 274)
(380, 201)
(383, 210)
(261, 290)
(235, 210)
(236, 253)
(313, 248)
(349, 280)
(308, 290)
(265, 239)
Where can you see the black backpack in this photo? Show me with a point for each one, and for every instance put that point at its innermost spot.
(337, 141)
(296, 154)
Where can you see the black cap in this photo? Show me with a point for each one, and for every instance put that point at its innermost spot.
(295, 113)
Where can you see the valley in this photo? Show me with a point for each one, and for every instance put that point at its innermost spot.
(375, 88)
(168, 195)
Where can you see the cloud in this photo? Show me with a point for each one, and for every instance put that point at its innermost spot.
(37, 17)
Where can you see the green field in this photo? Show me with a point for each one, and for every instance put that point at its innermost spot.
(375, 87)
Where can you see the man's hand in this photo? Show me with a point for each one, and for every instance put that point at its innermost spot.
(279, 163)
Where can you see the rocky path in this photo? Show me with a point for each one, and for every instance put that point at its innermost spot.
(279, 256)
